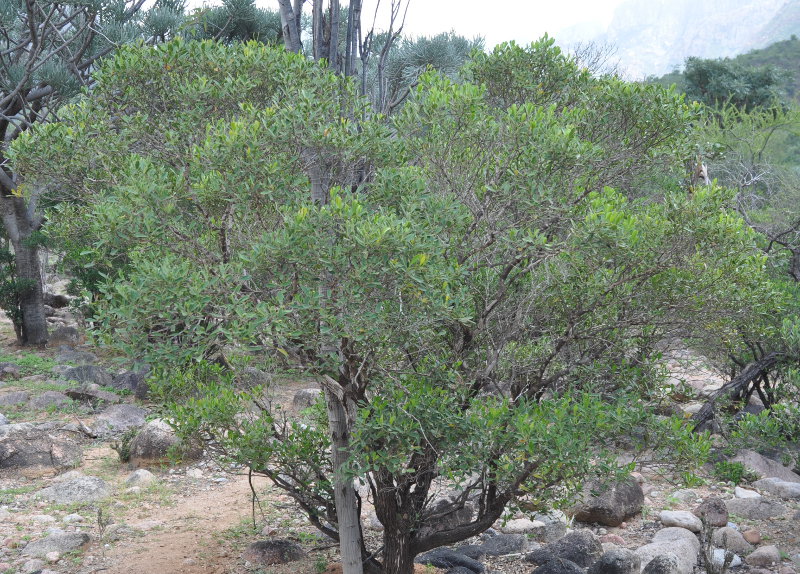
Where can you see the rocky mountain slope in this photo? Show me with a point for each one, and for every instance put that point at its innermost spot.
(654, 37)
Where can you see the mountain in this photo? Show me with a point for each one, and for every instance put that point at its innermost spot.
(654, 37)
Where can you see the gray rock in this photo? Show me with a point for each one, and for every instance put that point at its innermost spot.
(89, 374)
(78, 490)
(446, 558)
(15, 398)
(133, 381)
(269, 552)
(459, 570)
(156, 443)
(474, 551)
(609, 505)
(778, 487)
(9, 371)
(713, 510)
(448, 515)
(49, 399)
(305, 398)
(764, 556)
(67, 354)
(3, 420)
(765, 467)
(663, 564)
(678, 542)
(64, 335)
(681, 519)
(43, 446)
(250, 377)
(555, 526)
(580, 547)
(62, 543)
(740, 492)
(730, 539)
(140, 477)
(94, 396)
(616, 561)
(502, 544)
(117, 419)
(559, 566)
(755, 508)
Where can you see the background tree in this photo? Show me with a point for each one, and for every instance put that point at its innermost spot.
(49, 51)
(479, 282)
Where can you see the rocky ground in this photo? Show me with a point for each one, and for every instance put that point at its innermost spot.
(69, 505)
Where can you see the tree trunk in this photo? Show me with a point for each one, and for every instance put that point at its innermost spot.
(397, 553)
(20, 223)
(349, 521)
(333, 44)
(290, 27)
(353, 28)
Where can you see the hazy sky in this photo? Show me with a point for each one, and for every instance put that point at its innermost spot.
(495, 20)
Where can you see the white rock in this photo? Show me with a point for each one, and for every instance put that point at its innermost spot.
(53, 557)
(779, 487)
(740, 492)
(719, 558)
(520, 526)
(140, 477)
(194, 473)
(681, 519)
(70, 518)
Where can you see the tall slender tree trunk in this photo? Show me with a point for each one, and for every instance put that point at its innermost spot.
(20, 223)
(345, 495)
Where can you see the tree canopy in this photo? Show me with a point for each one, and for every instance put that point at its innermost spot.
(506, 254)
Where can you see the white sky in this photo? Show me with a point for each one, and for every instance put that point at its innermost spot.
(496, 20)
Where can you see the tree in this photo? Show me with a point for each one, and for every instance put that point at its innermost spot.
(715, 82)
(49, 51)
(481, 308)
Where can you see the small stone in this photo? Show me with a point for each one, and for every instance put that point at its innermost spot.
(52, 557)
(713, 509)
(719, 559)
(764, 556)
(787, 570)
(134, 490)
(194, 473)
(71, 518)
(612, 539)
(42, 519)
(140, 477)
(752, 536)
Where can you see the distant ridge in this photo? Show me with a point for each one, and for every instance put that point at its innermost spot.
(654, 37)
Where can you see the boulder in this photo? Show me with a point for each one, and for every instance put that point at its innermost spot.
(713, 510)
(305, 398)
(765, 467)
(156, 443)
(448, 515)
(83, 489)
(86, 374)
(9, 371)
(778, 487)
(133, 381)
(663, 564)
(42, 447)
(446, 558)
(61, 542)
(679, 543)
(502, 544)
(580, 547)
(90, 393)
(755, 508)
(64, 335)
(140, 477)
(559, 566)
(67, 354)
(269, 552)
(616, 561)
(117, 419)
(681, 519)
(15, 398)
(49, 399)
(764, 556)
(730, 539)
(611, 504)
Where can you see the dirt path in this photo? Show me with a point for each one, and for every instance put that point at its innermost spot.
(184, 538)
